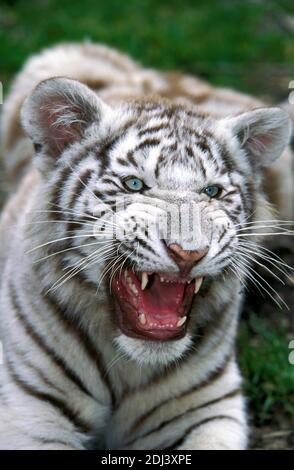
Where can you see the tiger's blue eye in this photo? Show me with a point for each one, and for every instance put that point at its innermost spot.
(134, 184)
(213, 191)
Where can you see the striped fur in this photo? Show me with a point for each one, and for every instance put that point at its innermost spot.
(71, 379)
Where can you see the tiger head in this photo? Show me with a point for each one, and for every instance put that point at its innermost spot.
(155, 195)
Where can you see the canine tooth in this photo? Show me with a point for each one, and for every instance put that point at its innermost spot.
(144, 280)
(161, 279)
(198, 283)
(142, 319)
(181, 321)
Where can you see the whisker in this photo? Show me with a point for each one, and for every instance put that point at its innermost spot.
(119, 268)
(250, 277)
(62, 239)
(235, 271)
(261, 248)
(263, 227)
(254, 260)
(248, 266)
(69, 221)
(107, 269)
(276, 263)
(100, 252)
(78, 267)
(270, 221)
(72, 248)
(65, 221)
(288, 232)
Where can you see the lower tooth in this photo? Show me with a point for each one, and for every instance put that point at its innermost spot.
(181, 321)
(134, 289)
(142, 319)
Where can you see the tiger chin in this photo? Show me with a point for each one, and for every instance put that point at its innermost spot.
(124, 253)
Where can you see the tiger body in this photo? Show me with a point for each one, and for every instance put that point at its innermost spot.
(72, 376)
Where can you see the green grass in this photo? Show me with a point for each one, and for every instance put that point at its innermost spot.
(269, 377)
(229, 42)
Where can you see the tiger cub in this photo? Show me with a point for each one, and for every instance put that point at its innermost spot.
(124, 252)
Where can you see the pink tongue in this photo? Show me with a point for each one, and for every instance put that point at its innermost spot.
(162, 298)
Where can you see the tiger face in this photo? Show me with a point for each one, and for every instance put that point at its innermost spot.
(155, 195)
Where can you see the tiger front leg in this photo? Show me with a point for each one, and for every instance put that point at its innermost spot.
(39, 432)
(226, 431)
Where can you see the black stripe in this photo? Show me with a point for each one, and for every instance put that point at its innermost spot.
(202, 168)
(222, 235)
(110, 192)
(171, 148)
(174, 420)
(197, 425)
(233, 191)
(56, 193)
(122, 162)
(204, 146)
(81, 334)
(227, 158)
(65, 174)
(41, 342)
(105, 148)
(80, 185)
(149, 130)
(147, 143)
(131, 159)
(161, 158)
(224, 247)
(189, 151)
(98, 195)
(37, 371)
(106, 180)
(145, 245)
(216, 374)
(45, 440)
(57, 403)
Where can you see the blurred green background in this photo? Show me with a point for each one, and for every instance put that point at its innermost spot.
(245, 44)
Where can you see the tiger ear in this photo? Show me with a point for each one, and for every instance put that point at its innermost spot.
(58, 112)
(263, 133)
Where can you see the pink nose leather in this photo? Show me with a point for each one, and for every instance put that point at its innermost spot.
(186, 260)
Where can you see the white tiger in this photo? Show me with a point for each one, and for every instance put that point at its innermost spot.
(114, 336)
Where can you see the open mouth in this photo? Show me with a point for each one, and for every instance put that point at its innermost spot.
(153, 306)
